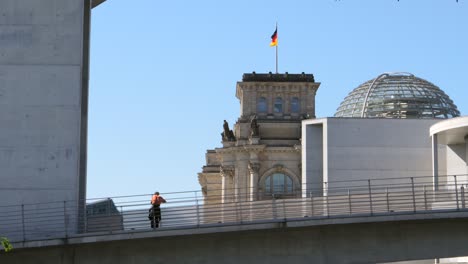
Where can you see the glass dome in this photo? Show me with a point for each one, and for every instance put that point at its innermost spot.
(397, 95)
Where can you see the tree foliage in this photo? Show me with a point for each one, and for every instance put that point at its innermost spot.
(6, 244)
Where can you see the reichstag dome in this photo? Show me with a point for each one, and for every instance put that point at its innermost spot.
(397, 95)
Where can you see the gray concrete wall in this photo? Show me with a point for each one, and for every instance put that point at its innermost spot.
(361, 149)
(336, 243)
(313, 157)
(457, 163)
(43, 100)
(378, 148)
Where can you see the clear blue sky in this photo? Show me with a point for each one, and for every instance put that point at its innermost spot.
(163, 73)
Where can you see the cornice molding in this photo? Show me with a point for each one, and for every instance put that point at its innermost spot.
(243, 148)
(291, 149)
(258, 148)
(260, 87)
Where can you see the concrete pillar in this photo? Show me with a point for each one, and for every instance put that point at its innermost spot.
(253, 182)
(466, 153)
(435, 162)
(466, 149)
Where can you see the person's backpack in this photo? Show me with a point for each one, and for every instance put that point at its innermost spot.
(150, 214)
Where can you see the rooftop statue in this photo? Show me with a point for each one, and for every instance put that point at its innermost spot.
(254, 126)
(227, 134)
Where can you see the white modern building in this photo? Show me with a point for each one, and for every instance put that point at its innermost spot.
(335, 150)
(453, 135)
(383, 130)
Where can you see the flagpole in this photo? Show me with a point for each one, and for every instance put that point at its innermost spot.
(276, 59)
(276, 50)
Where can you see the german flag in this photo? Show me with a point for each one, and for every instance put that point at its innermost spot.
(274, 38)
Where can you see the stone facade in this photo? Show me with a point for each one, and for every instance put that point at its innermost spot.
(265, 140)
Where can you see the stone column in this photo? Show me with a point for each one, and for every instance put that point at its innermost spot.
(227, 195)
(241, 177)
(227, 174)
(253, 181)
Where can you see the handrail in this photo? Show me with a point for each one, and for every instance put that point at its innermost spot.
(37, 221)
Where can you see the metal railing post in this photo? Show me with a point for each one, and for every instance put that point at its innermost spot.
(462, 192)
(108, 215)
(388, 201)
(235, 200)
(273, 207)
(414, 196)
(65, 222)
(349, 202)
(22, 222)
(198, 210)
(328, 206)
(122, 217)
(370, 197)
(311, 204)
(240, 210)
(456, 191)
(284, 210)
(85, 216)
(425, 198)
(122, 213)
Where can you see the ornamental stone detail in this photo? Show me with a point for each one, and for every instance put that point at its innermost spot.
(254, 167)
(279, 168)
(227, 171)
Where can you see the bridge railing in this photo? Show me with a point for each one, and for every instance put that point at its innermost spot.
(337, 199)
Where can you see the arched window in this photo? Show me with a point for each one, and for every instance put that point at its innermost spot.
(278, 183)
(262, 105)
(295, 105)
(278, 105)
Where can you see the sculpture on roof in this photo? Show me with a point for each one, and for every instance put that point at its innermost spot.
(254, 132)
(227, 134)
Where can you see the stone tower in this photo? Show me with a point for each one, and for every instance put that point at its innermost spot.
(261, 155)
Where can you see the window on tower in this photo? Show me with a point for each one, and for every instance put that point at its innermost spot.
(262, 105)
(278, 105)
(295, 105)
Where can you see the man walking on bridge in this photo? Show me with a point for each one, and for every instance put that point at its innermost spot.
(155, 211)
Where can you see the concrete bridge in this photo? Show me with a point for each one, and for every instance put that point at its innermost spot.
(366, 239)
